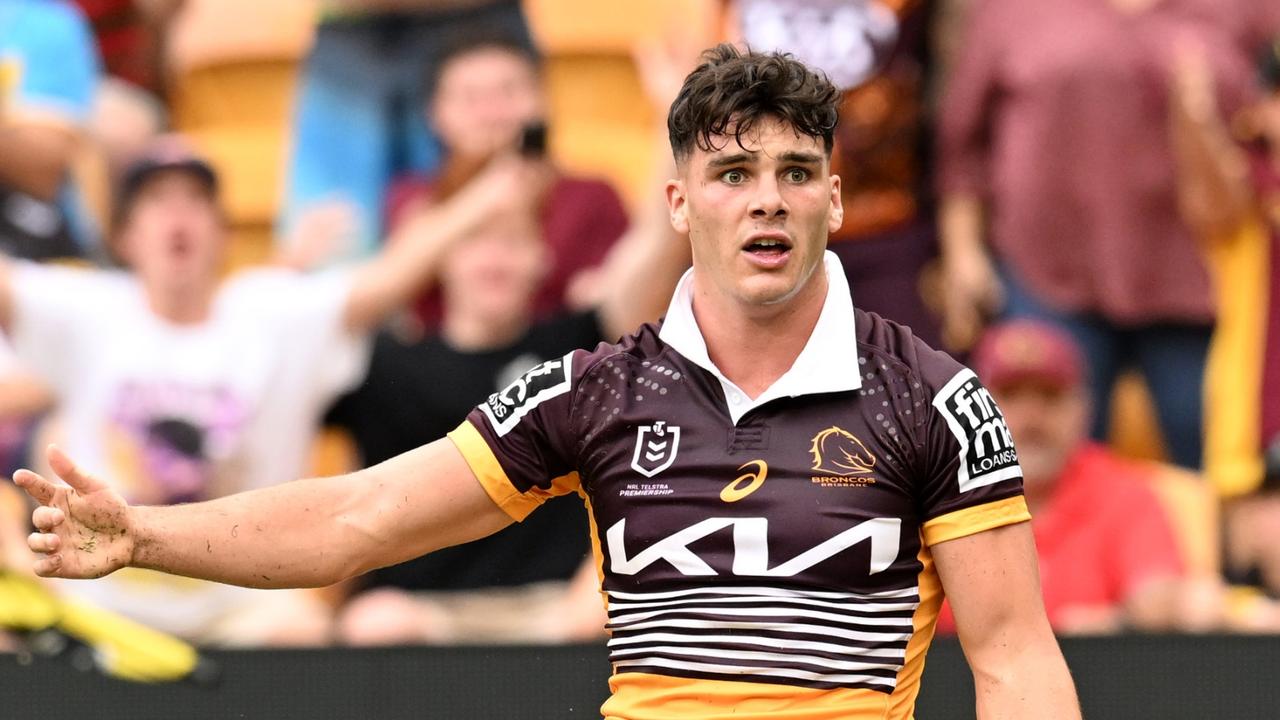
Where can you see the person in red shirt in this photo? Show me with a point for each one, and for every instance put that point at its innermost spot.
(487, 106)
(1105, 543)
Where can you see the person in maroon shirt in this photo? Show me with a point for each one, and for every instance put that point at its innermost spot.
(486, 101)
(781, 486)
(1055, 154)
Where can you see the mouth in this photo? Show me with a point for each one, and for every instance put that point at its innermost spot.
(768, 249)
(180, 246)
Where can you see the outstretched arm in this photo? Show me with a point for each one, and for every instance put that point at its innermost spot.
(993, 583)
(306, 533)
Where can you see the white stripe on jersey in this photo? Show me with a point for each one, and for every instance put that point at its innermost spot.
(898, 655)
(798, 628)
(749, 655)
(910, 592)
(620, 621)
(850, 607)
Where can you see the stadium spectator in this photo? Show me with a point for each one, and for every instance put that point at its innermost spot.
(184, 385)
(1107, 548)
(878, 52)
(1054, 134)
(48, 75)
(357, 118)
(1230, 192)
(490, 334)
(487, 101)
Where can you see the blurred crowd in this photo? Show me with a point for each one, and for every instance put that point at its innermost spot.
(246, 242)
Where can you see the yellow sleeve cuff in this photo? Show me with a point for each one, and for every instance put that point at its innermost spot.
(484, 464)
(976, 519)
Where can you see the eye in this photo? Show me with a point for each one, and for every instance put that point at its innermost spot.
(734, 177)
(797, 175)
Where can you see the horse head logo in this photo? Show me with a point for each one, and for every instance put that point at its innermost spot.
(838, 452)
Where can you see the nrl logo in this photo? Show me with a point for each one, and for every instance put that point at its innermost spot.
(656, 447)
(838, 452)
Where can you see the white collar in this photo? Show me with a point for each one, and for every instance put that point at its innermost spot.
(828, 363)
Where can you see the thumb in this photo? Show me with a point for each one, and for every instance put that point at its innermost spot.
(66, 469)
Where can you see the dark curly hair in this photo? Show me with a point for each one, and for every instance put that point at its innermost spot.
(731, 90)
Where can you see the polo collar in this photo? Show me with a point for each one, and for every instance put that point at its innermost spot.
(828, 363)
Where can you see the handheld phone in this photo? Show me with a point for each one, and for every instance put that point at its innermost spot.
(533, 139)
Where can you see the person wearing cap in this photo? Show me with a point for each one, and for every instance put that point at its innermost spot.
(1105, 543)
(185, 384)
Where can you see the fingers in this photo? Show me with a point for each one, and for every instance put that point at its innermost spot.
(67, 470)
(48, 565)
(37, 487)
(47, 519)
(44, 542)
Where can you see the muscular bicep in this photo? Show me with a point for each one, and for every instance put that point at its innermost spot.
(992, 579)
(420, 501)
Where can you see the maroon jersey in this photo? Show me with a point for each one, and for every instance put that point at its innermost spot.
(759, 555)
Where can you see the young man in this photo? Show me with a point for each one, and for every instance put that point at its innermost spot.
(780, 485)
(182, 385)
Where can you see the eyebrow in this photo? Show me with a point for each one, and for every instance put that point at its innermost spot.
(800, 157)
(791, 156)
(734, 159)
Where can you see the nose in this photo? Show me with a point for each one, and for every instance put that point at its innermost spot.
(767, 203)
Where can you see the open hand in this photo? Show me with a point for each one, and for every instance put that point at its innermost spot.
(83, 528)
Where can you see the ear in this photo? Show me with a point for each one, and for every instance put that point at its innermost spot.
(678, 204)
(836, 218)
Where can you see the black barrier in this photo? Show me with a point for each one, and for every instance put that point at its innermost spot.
(1196, 678)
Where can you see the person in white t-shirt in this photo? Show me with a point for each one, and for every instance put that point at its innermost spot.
(186, 384)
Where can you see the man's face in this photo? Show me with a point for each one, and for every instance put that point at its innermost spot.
(757, 214)
(174, 234)
(483, 99)
(1048, 423)
(494, 274)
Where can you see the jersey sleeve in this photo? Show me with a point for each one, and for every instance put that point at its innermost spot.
(520, 442)
(969, 472)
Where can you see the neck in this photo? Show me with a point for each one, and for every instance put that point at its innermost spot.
(473, 333)
(181, 305)
(755, 347)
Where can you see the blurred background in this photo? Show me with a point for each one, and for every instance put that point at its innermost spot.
(247, 241)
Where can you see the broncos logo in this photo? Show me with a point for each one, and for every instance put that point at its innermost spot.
(838, 452)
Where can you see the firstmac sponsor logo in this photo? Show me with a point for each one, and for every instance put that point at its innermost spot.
(987, 455)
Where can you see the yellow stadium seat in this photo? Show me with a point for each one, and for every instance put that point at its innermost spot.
(233, 68)
(600, 121)
(1135, 430)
